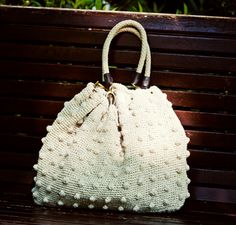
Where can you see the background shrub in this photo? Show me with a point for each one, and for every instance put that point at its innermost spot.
(195, 7)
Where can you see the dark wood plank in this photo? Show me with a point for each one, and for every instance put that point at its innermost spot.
(39, 89)
(91, 37)
(187, 99)
(20, 143)
(73, 54)
(217, 141)
(30, 107)
(212, 139)
(198, 159)
(200, 213)
(17, 160)
(17, 124)
(213, 177)
(42, 88)
(16, 189)
(212, 159)
(203, 100)
(33, 71)
(194, 81)
(32, 214)
(208, 208)
(156, 22)
(17, 176)
(207, 120)
(198, 177)
(37, 126)
(197, 192)
(213, 194)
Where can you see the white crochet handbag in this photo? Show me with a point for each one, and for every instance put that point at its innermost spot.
(117, 149)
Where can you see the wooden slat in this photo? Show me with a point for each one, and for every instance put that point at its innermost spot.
(68, 90)
(28, 213)
(193, 81)
(36, 126)
(207, 120)
(198, 159)
(50, 89)
(220, 102)
(189, 210)
(20, 143)
(156, 22)
(219, 195)
(123, 57)
(21, 208)
(17, 176)
(198, 177)
(193, 99)
(205, 139)
(197, 193)
(39, 89)
(16, 189)
(94, 217)
(212, 159)
(22, 211)
(212, 139)
(213, 194)
(209, 208)
(218, 141)
(32, 71)
(213, 177)
(97, 37)
(30, 106)
(16, 124)
(51, 216)
(18, 160)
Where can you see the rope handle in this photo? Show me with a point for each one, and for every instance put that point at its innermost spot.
(147, 59)
(137, 29)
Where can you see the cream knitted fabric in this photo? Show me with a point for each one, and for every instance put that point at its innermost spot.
(118, 150)
(130, 155)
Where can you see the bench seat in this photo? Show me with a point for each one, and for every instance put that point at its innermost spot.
(49, 55)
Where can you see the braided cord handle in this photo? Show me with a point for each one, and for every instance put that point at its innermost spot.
(137, 29)
(147, 55)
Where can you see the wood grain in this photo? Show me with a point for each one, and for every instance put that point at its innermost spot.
(72, 54)
(84, 36)
(151, 22)
(48, 55)
(62, 72)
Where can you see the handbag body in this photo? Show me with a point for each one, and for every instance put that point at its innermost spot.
(117, 148)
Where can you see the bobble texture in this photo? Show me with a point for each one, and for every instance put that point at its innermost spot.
(114, 155)
(105, 207)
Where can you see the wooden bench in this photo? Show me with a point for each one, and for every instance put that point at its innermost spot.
(48, 55)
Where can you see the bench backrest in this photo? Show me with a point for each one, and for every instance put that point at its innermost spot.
(48, 55)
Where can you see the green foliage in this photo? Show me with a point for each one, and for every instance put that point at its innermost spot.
(98, 4)
(197, 7)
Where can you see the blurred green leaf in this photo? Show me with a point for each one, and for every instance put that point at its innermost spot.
(199, 7)
(178, 11)
(98, 4)
(3, 2)
(193, 4)
(185, 9)
(140, 8)
(158, 8)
